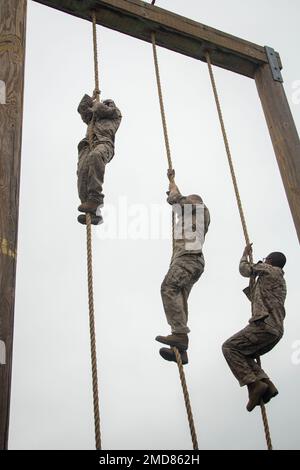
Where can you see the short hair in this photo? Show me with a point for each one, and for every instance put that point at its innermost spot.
(278, 259)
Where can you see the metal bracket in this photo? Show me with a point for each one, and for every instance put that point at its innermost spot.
(274, 64)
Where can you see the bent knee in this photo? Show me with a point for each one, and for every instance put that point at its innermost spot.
(164, 287)
(226, 348)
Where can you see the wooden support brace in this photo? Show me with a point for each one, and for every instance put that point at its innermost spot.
(12, 53)
(139, 19)
(284, 136)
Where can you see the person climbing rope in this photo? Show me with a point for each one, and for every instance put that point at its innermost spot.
(192, 220)
(265, 328)
(95, 151)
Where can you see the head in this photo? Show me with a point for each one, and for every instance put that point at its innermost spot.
(195, 198)
(109, 103)
(276, 259)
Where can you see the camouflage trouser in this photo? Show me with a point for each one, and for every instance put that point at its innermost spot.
(90, 171)
(240, 350)
(176, 287)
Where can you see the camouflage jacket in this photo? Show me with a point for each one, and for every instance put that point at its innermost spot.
(104, 119)
(268, 293)
(191, 225)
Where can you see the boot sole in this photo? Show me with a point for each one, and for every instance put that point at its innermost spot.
(100, 222)
(169, 356)
(173, 344)
(269, 395)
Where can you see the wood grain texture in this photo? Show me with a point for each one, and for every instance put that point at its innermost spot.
(12, 52)
(284, 137)
(174, 32)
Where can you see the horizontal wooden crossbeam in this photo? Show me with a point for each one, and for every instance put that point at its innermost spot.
(139, 19)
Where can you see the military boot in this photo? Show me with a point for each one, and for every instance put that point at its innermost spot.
(271, 391)
(256, 392)
(89, 206)
(176, 340)
(169, 355)
(96, 219)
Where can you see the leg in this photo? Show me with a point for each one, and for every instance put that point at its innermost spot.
(97, 160)
(82, 173)
(185, 295)
(241, 349)
(175, 290)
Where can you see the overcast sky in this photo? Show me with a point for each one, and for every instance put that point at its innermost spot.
(140, 396)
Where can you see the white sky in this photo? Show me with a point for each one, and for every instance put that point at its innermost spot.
(140, 395)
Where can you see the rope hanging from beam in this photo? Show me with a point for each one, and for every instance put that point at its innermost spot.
(170, 166)
(241, 212)
(90, 266)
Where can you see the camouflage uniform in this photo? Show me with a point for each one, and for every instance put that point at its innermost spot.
(103, 120)
(265, 327)
(187, 262)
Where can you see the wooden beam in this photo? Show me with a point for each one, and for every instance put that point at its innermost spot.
(284, 136)
(12, 53)
(174, 32)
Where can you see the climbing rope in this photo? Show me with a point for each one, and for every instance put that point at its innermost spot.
(90, 266)
(228, 151)
(186, 399)
(164, 122)
(96, 62)
(241, 212)
(92, 333)
(265, 418)
(161, 103)
(170, 166)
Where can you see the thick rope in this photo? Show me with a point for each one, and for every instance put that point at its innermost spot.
(96, 62)
(241, 212)
(170, 165)
(92, 332)
(265, 418)
(164, 122)
(228, 151)
(161, 103)
(90, 267)
(186, 399)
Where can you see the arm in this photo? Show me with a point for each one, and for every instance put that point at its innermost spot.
(245, 267)
(85, 109)
(248, 269)
(102, 111)
(174, 195)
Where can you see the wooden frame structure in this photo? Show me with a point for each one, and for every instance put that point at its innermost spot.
(138, 19)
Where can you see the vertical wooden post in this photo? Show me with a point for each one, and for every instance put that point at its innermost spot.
(12, 55)
(284, 136)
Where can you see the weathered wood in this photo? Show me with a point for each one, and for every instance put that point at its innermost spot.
(12, 53)
(284, 136)
(139, 19)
